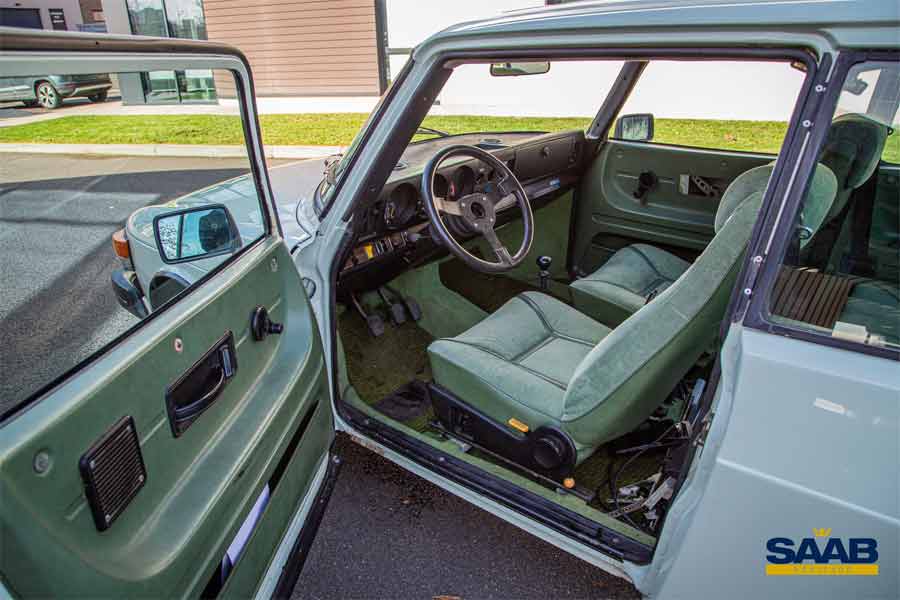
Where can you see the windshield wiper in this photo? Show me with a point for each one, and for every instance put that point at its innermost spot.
(429, 130)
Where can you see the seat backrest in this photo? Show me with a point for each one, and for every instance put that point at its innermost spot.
(852, 151)
(632, 370)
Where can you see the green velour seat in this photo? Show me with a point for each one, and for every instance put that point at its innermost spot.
(852, 151)
(637, 273)
(875, 305)
(544, 364)
(625, 282)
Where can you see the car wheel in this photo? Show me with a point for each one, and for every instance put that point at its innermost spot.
(47, 96)
(99, 97)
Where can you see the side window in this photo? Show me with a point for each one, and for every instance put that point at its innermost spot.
(840, 275)
(718, 105)
(118, 205)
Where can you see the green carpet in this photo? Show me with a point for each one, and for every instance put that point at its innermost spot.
(378, 366)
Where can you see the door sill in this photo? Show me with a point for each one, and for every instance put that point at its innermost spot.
(578, 528)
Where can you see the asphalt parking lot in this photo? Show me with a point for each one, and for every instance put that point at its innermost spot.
(386, 533)
(57, 214)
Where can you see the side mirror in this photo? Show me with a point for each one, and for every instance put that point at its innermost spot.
(516, 69)
(634, 128)
(195, 233)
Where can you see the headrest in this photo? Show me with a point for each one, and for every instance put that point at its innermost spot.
(853, 148)
(744, 185)
(818, 201)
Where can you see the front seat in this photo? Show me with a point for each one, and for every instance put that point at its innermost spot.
(852, 151)
(544, 385)
(636, 274)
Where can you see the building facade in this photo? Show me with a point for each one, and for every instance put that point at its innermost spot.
(296, 48)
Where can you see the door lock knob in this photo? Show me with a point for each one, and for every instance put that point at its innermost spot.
(261, 325)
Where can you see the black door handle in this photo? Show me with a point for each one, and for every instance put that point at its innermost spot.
(195, 408)
(201, 385)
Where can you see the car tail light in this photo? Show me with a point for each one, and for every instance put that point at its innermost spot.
(120, 245)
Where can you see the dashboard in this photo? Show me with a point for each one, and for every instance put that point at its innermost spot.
(393, 230)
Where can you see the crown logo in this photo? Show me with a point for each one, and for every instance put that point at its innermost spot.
(821, 532)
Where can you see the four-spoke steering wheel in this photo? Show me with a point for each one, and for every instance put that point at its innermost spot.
(479, 209)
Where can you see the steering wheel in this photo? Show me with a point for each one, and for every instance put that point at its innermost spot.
(478, 210)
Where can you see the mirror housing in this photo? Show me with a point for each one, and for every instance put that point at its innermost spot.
(637, 127)
(195, 233)
(517, 69)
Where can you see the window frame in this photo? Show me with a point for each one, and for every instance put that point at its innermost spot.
(768, 249)
(27, 52)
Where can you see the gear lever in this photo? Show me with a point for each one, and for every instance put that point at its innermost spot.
(543, 264)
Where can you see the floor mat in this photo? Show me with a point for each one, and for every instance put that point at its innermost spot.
(407, 403)
(379, 367)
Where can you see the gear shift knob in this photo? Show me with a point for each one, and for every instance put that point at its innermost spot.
(543, 263)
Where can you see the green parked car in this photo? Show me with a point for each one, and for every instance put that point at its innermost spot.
(677, 360)
(49, 91)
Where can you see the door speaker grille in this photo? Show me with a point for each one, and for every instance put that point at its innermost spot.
(113, 472)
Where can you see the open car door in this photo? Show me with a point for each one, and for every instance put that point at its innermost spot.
(181, 450)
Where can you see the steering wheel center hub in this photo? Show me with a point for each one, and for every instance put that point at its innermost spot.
(478, 210)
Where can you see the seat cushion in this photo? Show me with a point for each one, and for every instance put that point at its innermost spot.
(622, 285)
(876, 305)
(518, 361)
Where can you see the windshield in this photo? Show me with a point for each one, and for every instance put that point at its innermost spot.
(475, 101)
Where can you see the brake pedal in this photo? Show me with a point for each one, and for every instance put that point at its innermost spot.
(396, 309)
(412, 307)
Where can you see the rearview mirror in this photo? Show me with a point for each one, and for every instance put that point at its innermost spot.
(855, 86)
(634, 128)
(195, 233)
(510, 69)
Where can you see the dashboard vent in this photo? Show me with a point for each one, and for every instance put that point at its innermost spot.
(113, 472)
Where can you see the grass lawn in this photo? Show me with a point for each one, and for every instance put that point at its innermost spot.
(339, 130)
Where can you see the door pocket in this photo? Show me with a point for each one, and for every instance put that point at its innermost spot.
(201, 385)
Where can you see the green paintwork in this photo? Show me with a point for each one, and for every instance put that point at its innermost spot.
(199, 486)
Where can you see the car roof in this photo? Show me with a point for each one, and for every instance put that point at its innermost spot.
(848, 23)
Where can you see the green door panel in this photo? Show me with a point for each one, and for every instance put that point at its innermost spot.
(201, 485)
(609, 217)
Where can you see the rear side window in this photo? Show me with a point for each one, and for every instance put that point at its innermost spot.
(719, 105)
(841, 274)
(110, 214)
